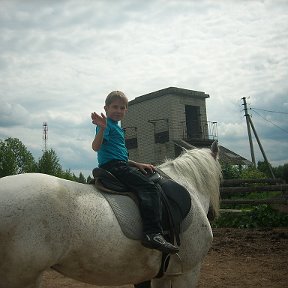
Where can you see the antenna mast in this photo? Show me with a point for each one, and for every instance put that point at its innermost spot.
(45, 135)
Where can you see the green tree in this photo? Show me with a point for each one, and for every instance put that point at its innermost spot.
(81, 178)
(280, 171)
(15, 158)
(68, 175)
(284, 175)
(89, 179)
(263, 167)
(49, 164)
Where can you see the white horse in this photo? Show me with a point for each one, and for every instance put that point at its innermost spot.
(50, 222)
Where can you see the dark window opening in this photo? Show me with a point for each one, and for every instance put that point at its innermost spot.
(162, 137)
(131, 137)
(131, 143)
(193, 123)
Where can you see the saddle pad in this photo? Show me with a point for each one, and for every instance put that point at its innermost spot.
(128, 215)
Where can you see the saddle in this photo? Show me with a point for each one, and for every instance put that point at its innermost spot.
(175, 199)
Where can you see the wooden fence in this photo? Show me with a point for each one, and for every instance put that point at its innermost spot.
(241, 187)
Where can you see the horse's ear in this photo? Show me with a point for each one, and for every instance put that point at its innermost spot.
(215, 149)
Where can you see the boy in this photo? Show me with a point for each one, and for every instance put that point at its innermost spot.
(109, 142)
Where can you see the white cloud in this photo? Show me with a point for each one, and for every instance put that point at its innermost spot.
(59, 60)
(235, 130)
(12, 114)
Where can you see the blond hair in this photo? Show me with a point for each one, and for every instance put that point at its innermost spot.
(116, 95)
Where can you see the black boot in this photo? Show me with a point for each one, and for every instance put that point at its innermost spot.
(157, 241)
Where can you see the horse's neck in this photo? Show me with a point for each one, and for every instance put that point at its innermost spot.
(195, 192)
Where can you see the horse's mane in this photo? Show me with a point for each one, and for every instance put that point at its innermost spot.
(197, 168)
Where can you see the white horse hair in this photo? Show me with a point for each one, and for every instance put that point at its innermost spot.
(47, 222)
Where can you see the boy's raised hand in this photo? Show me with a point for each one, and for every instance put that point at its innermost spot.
(99, 120)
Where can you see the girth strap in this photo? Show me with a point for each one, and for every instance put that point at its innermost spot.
(172, 232)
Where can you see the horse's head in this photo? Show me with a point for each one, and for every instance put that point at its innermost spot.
(214, 208)
(215, 150)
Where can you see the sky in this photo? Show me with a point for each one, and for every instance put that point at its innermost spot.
(60, 59)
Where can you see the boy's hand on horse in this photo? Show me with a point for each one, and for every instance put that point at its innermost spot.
(100, 120)
(143, 167)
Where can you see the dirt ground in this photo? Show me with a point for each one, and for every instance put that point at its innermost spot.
(238, 258)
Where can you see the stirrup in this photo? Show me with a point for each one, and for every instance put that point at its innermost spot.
(179, 262)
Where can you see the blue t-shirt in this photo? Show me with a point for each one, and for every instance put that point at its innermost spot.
(113, 146)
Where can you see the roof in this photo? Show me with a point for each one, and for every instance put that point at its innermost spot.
(226, 156)
(183, 144)
(169, 90)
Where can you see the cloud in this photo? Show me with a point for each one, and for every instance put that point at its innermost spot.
(235, 130)
(12, 114)
(59, 60)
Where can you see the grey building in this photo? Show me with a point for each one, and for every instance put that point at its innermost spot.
(160, 123)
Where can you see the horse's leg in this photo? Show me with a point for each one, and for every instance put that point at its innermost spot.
(146, 284)
(161, 283)
(18, 283)
(187, 280)
(35, 284)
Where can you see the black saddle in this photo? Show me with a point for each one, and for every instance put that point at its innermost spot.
(109, 181)
(175, 199)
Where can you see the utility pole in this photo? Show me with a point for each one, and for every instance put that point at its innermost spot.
(249, 131)
(250, 123)
(261, 148)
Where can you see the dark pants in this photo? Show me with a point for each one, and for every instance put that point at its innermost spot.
(146, 191)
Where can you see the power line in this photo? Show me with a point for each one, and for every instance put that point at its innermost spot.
(269, 120)
(271, 111)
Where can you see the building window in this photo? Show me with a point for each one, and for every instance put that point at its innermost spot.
(161, 130)
(162, 137)
(131, 143)
(131, 137)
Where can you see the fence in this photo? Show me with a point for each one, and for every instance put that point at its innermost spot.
(240, 187)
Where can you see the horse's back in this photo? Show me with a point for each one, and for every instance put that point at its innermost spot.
(51, 222)
(35, 204)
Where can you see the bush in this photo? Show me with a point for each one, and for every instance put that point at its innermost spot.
(258, 217)
(230, 171)
(252, 173)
